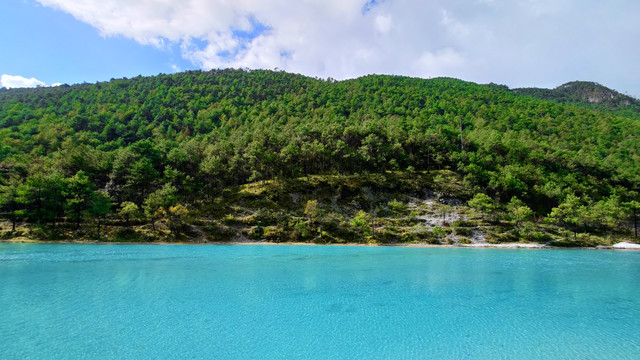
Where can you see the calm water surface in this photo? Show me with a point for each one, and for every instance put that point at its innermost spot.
(286, 302)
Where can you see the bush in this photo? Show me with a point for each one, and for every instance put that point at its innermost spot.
(536, 236)
(465, 223)
(273, 234)
(573, 243)
(303, 228)
(463, 231)
(463, 240)
(229, 220)
(219, 232)
(127, 235)
(361, 223)
(398, 208)
(439, 232)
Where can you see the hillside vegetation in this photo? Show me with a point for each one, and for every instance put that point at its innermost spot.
(230, 154)
(588, 93)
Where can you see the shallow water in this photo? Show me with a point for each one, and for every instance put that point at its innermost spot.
(266, 302)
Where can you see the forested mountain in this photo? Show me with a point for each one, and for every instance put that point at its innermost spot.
(184, 143)
(586, 93)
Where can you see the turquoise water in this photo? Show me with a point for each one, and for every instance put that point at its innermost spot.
(299, 302)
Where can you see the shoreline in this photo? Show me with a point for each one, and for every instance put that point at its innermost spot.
(510, 246)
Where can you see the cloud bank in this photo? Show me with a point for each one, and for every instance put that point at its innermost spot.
(518, 42)
(16, 81)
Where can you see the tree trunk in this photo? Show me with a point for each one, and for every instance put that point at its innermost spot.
(98, 227)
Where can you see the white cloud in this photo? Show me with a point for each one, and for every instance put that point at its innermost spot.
(440, 63)
(518, 42)
(17, 81)
(383, 23)
(453, 25)
(316, 37)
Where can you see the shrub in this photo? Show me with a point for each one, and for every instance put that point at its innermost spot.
(536, 236)
(362, 223)
(439, 232)
(463, 240)
(303, 228)
(397, 207)
(463, 231)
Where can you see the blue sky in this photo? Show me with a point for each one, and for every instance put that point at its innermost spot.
(54, 47)
(542, 43)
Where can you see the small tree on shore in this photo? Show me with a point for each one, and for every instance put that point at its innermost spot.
(482, 203)
(78, 191)
(633, 209)
(362, 222)
(311, 210)
(159, 200)
(100, 207)
(439, 233)
(128, 210)
(518, 211)
(177, 215)
(10, 199)
(568, 213)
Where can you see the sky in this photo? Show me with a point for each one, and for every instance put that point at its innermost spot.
(519, 43)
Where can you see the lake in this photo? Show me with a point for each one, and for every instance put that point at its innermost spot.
(321, 302)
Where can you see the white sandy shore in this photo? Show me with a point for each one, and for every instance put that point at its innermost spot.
(618, 246)
(626, 245)
(507, 246)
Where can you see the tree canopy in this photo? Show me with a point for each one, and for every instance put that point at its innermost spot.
(167, 140)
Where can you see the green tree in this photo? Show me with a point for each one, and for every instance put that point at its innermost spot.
(633, 208)
(482, 203)
(568, 213)
(43, 194)
(100, 207)
(606, 212)
(48, 188)
(128, 210)
(361, 222)
(159, 200)
(397, 207)
(518, 211)
(177, 216)
(302, 228)
(10, 198)
(214, 171)
(78, 192)
(312, 210)
(439, 233)
(141, 177)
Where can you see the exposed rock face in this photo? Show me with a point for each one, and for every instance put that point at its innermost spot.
(582, 92)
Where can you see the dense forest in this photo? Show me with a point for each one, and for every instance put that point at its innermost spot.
(586, 93)
(268, 154)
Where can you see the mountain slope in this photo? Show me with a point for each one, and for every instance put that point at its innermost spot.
(584, 92)
(191, 138)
